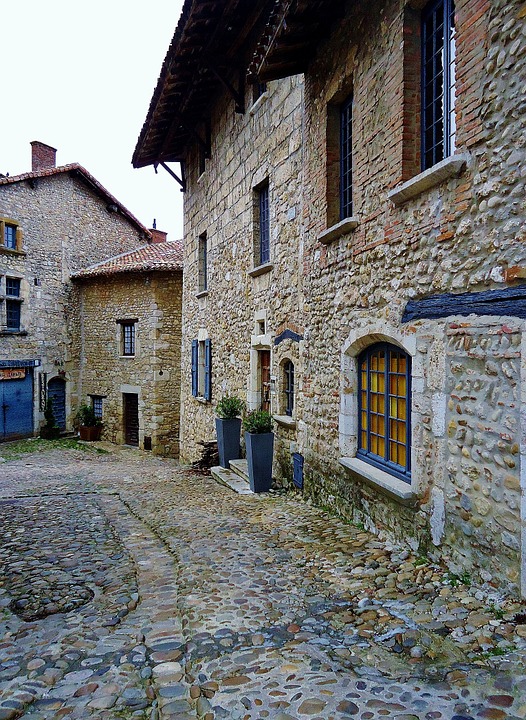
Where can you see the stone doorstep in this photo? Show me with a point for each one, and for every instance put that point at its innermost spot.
(236, 482)
(240, 468)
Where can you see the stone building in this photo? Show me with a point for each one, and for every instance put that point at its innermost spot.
(128, 344)
(53, 222)
(382, 172)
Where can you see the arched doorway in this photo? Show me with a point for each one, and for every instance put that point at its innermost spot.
(56, 390)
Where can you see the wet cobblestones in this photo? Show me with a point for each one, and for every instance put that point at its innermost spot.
(130, 587)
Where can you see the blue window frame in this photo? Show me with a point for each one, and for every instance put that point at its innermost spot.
(438, 81)
(264, 224)
(288, 370)
(96, 404)
(10, 236)
(12, 287)
(346, 158)
(384, 409)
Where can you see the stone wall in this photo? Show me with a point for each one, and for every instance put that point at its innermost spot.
(65, 227)
(153, 373)
(242, 313)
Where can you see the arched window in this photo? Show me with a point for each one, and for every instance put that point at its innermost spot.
(288, 387)
(384, 407)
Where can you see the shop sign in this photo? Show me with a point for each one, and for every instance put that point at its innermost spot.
(12, 373)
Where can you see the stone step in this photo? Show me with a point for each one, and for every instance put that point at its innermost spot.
(232, 480)
(240, 467)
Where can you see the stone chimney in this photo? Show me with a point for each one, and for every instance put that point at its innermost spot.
(43, 157)
(158, 236)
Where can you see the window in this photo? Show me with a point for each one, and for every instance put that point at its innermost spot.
(288, 387)
(10, 235)
(12, 303)
(438, 81)
(96, 404)
(203, 263)
(128, 337)
(384, 396)
(202, 369)
(258, 89)
(346, 159)
(262, 225)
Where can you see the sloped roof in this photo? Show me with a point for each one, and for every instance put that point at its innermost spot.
(165, 256)
(77, 171)
(212, 44)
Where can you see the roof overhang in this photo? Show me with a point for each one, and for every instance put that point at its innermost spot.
(210, 49)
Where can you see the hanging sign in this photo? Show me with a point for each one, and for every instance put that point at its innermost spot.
(12, 373)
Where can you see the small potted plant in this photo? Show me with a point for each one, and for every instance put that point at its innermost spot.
(49, 431)
(90, 426)
(259, 440)
(228, 428)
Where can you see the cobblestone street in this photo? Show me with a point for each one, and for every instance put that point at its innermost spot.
(132, 587)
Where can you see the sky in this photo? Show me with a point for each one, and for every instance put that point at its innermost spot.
(79, 76)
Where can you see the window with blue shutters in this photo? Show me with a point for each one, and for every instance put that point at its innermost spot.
(438, 81)
(202, 369)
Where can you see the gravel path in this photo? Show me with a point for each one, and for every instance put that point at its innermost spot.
(132, 587)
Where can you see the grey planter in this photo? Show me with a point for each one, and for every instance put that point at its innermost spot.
(260, 448)
(228, 440)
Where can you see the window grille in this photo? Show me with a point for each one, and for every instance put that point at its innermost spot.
(12, 314)
(384, 406)
(288, 370)
(203, 263)
(438, 81)
(128, 338)
(264, 225)
(96, 403)
(346, 159)
(12, 287)
(10, 236)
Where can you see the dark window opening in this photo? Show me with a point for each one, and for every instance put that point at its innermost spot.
(263, 224)
(288, 370)
(128, 338)
(346, 159)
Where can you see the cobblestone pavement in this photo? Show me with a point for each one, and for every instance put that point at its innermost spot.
(133, 588)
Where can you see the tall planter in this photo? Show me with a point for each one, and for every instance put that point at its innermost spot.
(228, 440)
(260, 448)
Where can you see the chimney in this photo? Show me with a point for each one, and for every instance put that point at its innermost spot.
(158, 236)
(43, 157)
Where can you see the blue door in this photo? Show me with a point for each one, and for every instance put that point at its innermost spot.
(16, 405)
(56, 391)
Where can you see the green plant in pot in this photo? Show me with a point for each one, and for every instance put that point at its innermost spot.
(259, 440)
(228, 428)
(49, 431)
(90, 426)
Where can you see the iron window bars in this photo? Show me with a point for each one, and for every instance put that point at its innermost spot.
(346, 159)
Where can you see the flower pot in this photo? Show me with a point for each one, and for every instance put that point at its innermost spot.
(260, 447)
(228, 440)
(90, 432)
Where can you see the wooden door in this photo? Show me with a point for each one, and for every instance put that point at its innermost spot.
(131, 418)
(264, 379)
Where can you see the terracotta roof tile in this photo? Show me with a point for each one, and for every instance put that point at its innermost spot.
(87, 178)
(166, 255)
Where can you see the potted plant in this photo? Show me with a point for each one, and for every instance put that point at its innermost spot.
(228, 428)
(49, 431)
(90, 426)
(259, 440)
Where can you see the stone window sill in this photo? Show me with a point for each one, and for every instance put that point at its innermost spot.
(260, 270)
(379, 479)
(444, 170)
(201, 399)
(285, 420)
(128, 357)
(346, 225)
(259, 102)
(202, 294)
(11, 251)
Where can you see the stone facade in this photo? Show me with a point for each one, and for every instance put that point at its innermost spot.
(152, 299)
(65, 221)
(336, 288)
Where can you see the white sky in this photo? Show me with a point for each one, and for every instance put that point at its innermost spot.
(79, 76)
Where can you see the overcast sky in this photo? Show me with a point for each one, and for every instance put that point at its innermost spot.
(80, 76)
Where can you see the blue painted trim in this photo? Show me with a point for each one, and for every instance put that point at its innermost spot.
(19, 363)
(287, 335)
(511, 301)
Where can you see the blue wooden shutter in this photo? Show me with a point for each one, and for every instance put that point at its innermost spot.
(208, 370)
(195, 347)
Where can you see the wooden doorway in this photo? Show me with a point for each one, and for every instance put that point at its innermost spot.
(131, 418)
(264, 379)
